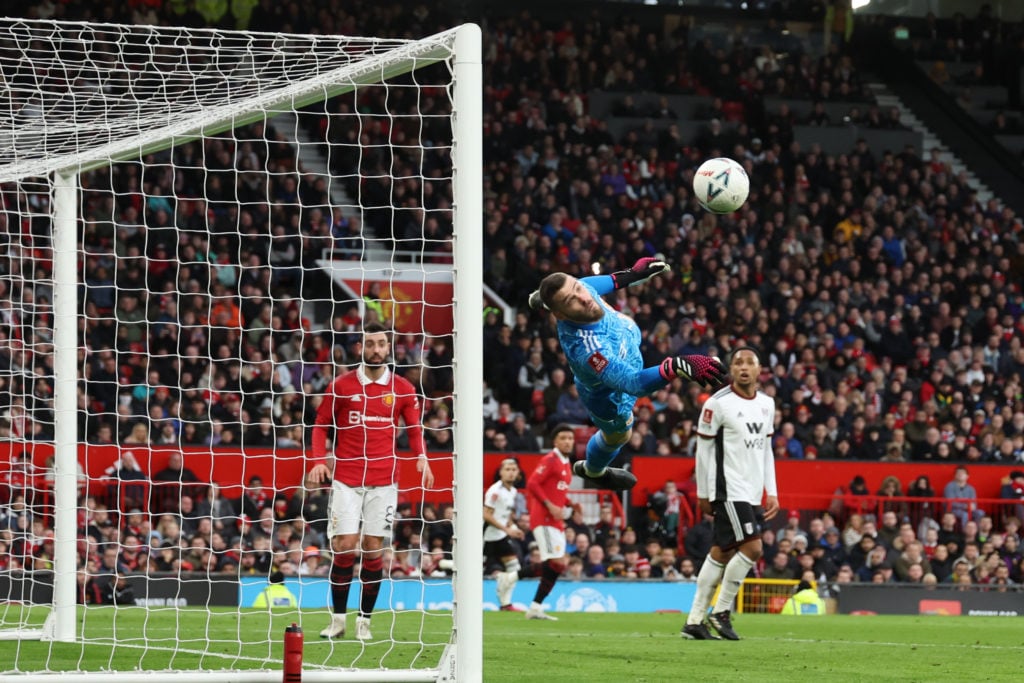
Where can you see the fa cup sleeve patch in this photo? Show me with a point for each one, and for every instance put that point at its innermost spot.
(598, 362)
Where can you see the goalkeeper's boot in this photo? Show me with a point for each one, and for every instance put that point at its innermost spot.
(336, 629)
(722, 622)
(363, 629)
(698, 632)
(614, 478)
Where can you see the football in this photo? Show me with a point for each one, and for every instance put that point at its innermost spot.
(721, 185)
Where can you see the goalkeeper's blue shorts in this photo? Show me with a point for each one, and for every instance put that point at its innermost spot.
(611, 412)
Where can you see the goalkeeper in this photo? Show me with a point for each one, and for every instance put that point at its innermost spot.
(603, 350)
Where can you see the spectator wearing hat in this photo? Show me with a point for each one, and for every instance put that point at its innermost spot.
(312, 563)
(961, 575)
(835, 551)
(792, 526)
(876, 560)
(800, 545)
(616, 566)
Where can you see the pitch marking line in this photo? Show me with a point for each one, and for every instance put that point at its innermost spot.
(813, 641)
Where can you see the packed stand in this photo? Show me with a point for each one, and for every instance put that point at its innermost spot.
(886, 299)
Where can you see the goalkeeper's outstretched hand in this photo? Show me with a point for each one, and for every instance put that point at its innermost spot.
(706, 371)
(642, 271)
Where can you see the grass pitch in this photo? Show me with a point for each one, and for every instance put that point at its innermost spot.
(642, 648)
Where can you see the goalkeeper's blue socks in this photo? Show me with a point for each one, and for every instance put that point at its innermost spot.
(600, 453)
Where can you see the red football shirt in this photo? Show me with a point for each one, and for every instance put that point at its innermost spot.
(549, 481)
(366, 414)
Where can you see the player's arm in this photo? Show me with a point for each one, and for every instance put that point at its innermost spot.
(619, 376)
(414, 428)
(319, 473)
(771, 488)
(510, 529)
(641, 271)
(707, 428)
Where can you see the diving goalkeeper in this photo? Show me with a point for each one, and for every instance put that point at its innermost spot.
(603, 350)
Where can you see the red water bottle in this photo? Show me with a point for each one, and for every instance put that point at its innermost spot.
(293, 654)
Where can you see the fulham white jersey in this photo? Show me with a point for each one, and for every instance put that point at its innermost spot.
(503, 502)
(734, 453)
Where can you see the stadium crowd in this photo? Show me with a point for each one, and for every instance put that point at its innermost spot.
(885, 296)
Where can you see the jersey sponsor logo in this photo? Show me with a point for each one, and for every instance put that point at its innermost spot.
(757, 444)
(357, 398)
(563, 486)
(706, 417)
(754, 427)
(597, 361)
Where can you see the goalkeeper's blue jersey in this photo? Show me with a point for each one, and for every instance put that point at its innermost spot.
(605, 358)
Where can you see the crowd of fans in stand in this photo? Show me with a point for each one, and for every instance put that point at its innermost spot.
(886, 297)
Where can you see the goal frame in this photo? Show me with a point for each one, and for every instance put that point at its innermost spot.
(463, 657)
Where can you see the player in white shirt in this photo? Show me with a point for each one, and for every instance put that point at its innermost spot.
(499, 503)
(735, 470)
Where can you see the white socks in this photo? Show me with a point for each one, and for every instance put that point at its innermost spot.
(707, 579)
(737, 569)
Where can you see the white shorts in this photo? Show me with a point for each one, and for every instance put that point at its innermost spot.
(550, 542)
(374, 506)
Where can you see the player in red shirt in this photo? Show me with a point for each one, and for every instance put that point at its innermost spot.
(547, 491)
(365, 407)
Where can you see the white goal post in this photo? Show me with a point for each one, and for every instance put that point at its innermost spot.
(81, 97)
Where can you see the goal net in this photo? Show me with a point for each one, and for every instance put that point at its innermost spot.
(195, 226)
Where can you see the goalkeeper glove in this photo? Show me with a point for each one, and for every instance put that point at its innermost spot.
(642, 270)
(704, 370)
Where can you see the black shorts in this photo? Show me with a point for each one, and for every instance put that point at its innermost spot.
(494, 551)
(736, 522)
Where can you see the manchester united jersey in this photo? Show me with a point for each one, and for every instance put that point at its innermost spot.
(366, 415)
(549, 481)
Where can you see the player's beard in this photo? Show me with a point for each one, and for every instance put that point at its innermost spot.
(374, 360)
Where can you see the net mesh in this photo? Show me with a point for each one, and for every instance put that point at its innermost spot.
(223, 280)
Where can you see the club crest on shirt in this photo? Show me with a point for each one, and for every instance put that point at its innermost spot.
(388, 399)
(706, 417)
(597, 361)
